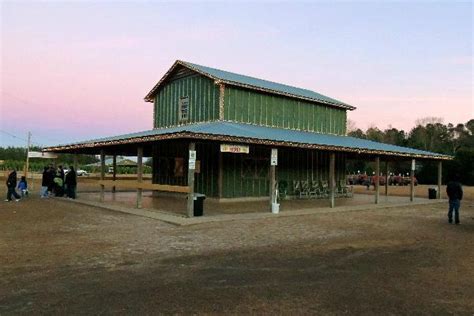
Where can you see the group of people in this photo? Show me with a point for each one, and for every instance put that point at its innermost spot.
(57, 182)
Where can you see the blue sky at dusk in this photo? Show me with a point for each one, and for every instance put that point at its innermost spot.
(78, 70)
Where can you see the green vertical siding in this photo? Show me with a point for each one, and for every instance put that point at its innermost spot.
(203, 101)
(246, 175)
(307, 165)
(164, 155)
(254, 107)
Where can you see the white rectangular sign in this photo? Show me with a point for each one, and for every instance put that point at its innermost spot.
(192, 159)
(413, 165)
(236, 149)
(39, 154)
(192, 155)
(274, 158)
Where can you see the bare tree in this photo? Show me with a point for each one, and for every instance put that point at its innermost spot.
(429, 120)
(351, 126)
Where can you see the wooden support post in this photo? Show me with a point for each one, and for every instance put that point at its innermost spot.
(386, 178)
(74, 164)
(102, 174)
(27, 166)
(191, 170)
(440, 178)
(220, 176)
(139, 175)
(273, 185)
(114, 171)
(377, 179)
(412, 181)
(332, 179)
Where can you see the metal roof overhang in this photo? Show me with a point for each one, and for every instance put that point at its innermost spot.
(245, 134)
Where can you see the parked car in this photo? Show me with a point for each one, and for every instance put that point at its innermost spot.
(81, 173)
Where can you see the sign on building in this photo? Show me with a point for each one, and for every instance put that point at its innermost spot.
(236, 149)
(192, 159)
(39, 154)
(274, 157)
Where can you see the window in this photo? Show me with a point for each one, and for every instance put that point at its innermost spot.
(183, 114)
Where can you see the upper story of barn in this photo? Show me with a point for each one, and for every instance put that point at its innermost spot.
(190, 93)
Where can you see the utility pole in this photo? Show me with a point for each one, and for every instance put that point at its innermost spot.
(28, 155)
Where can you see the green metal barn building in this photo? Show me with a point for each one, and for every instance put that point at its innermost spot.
(233, 136)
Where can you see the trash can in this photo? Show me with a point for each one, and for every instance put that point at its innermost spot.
(199, 204)
(432, 193)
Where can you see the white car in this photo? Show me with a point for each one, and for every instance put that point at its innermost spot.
(81, 172)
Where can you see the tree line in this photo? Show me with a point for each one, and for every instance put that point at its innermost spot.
(15, 157)
(429, 134)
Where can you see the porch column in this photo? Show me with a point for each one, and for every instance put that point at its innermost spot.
(386, 178)
(139, 175)
(273, 186)
(377, 179)
(102, 174)
(332, 178)
(191, 168)
(412, 180)
(440, 178)
(114, 174)
(220, 175)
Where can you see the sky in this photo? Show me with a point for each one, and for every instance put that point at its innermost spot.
(78, 70)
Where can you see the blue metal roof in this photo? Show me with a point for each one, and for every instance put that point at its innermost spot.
(235, 79)
(261, 133)
(264, 84)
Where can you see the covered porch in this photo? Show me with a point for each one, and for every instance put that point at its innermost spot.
(250, 172)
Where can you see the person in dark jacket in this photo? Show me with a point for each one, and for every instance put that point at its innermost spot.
(59, 182)
(44, 183)
(11, 186)
(454, 191)
(71, 183)
(50, 178)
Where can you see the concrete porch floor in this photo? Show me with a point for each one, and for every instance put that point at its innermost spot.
(171, 209)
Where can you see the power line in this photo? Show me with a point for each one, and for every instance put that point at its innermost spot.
(20, 138)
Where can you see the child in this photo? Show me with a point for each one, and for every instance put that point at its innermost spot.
(23, 187)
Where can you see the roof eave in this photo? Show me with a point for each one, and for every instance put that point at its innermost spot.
(238, 139)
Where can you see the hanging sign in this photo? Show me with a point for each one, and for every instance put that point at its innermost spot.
(236, 149)
(39, 154)
(274, 157)
(192, 159)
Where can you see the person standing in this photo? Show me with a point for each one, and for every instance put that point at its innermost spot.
(59, 182)
(51, 175)
(454, 191)
(11, 186)
(71, 183)
(44, 183)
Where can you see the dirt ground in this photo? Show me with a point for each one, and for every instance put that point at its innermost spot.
(62, 258)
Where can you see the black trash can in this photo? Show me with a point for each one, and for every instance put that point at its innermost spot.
(199, 204)
(432, 194)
